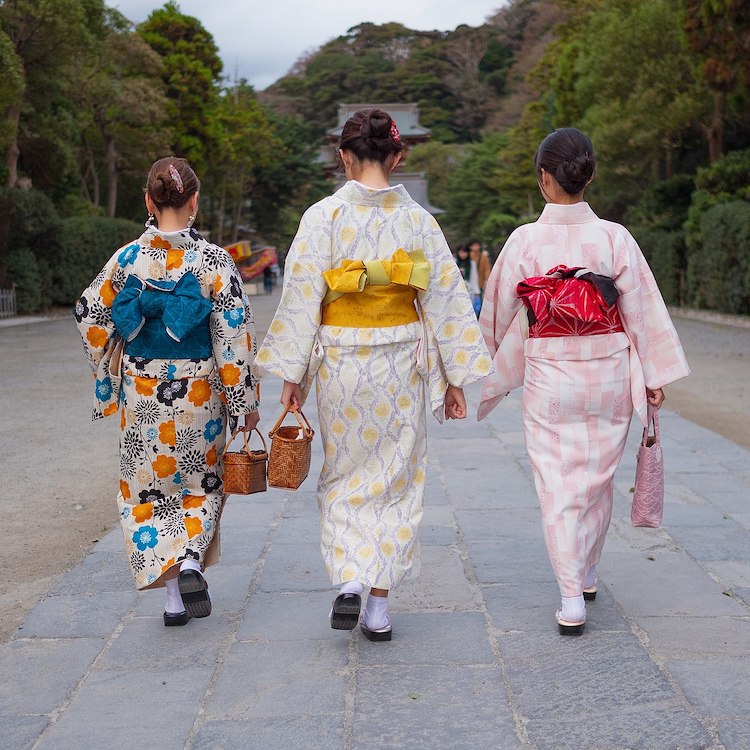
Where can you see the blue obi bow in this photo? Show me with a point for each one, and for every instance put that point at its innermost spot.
(156, 317)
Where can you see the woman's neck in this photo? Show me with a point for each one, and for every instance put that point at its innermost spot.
(372, 176)
(173, 221)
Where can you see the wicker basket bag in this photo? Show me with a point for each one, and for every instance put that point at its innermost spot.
(291, 449)
(245, 470)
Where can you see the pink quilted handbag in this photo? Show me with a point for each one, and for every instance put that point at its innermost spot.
(648, 498)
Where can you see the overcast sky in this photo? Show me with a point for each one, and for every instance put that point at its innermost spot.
(263, 38)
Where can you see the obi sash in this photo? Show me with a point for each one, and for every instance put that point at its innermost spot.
(163, 319)
(570, 302)
(375, 293)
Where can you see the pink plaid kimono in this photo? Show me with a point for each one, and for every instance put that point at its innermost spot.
(579, 390)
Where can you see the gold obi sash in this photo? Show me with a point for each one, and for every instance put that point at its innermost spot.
(375, 293)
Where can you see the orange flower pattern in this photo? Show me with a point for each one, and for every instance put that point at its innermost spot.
(200, 392)
(174, 412)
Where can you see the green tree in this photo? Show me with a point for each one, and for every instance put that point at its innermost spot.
(191, 72)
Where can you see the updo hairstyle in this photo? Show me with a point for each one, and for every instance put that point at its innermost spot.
(371, 135)
(164, 189)
(568, 155)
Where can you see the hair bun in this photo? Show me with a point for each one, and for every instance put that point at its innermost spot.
(376, 126)
(574, 174)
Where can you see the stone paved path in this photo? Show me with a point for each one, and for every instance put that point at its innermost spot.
(475, 661)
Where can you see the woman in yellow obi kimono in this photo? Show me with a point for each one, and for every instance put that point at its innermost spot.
(169, 333)
(373, 307)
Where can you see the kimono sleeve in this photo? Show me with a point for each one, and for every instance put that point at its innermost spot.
(93, 313)
(233, 341)
(645, 316)
(288, 345)
(453, 331)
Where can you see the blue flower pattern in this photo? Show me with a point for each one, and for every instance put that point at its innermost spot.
(145, 537)
(235, 318)
(104, 389)
(214, 428)
(128, 255)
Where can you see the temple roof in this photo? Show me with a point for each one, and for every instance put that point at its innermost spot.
(405, 115)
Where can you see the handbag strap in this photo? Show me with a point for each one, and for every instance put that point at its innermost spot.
(652, 418)
(244, 437)
(306, 427)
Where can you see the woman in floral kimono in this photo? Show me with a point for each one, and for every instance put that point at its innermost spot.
(600, 343)
(169, 333)
(373, 307)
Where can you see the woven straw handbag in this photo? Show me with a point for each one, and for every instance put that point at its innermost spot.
(245, 470)
(648, 496)
(291, 449)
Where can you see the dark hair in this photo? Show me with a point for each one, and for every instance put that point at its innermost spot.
(568, 155)
(464, 264)
(164, 189)
(371, 135)
(473, 242)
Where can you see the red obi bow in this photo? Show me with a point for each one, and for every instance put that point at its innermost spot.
(568, 294)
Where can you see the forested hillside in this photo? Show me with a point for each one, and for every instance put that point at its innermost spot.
(662, 86)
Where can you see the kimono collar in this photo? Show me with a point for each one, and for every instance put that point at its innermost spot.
(574, 213)
(359, 194)
(169, 239)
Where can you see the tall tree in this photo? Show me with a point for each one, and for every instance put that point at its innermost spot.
(719, 32)
(191, 72)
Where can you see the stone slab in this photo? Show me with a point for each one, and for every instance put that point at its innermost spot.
(99, 572)
(145, 643)
(510, 560)
(285, 616)
(294, 567)
(735, 733)
(78, 615)
(670, 584)
(611, 673)
(688, 637)
(425, 708)
(433, 638)
(296, 733)
(281, 680)
(663, 727)
(728, 542)
(115, 709)
(38, 675)
(441, 585)
(716, 687)
(21, 732)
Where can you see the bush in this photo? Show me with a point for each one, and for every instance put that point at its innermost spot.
(665, 253)
(23, 271)
(86, 243)
(719, 268)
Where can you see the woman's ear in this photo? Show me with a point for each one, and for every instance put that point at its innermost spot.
(396, 160)
(150, 205)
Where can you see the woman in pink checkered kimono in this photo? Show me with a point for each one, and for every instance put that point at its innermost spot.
(592, 343)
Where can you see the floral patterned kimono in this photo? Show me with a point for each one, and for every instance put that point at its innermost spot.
(170, 336)
(373, 307)
(582, 379)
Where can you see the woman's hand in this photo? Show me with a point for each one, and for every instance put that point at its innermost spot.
(291, 392)
(251, 420)
(455, 403)
(655, 397)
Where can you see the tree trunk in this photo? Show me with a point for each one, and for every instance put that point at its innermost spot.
(12, 152)
(110, 159)
(221, 214)
(91, 170)
(715, 131)
(237, 213)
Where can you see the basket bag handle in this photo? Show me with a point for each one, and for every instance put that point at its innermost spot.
(653, 418)
(306, 427)
(244, 437)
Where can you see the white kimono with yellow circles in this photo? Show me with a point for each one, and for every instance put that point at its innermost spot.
(371, 381)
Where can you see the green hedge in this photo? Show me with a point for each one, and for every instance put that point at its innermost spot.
(665, 253)
(87, 244)
(719, 267)
(49, 259)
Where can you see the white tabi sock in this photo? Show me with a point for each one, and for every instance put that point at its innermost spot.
(174, 605)
(590, 579)
(376, 612)
(190, 564)
(352, 587)
(573, 609)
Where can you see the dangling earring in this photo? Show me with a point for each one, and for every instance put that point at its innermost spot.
(191, 219)
(149, 221)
